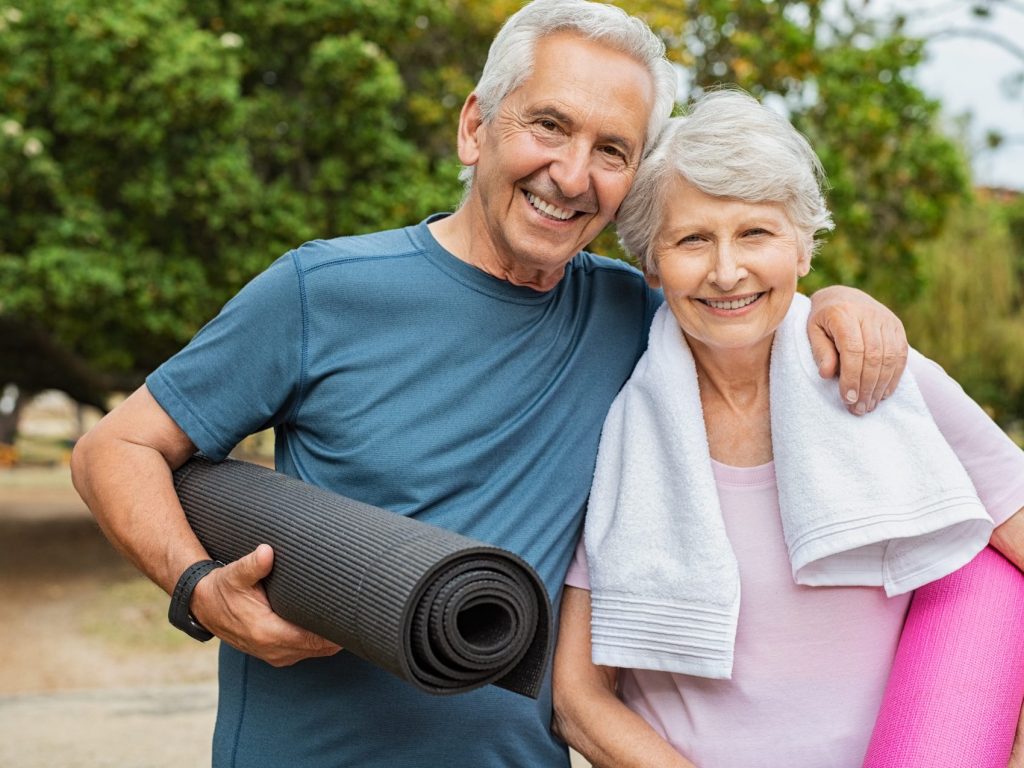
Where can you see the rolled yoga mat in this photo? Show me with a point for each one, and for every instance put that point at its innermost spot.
(957, 682)
(444, 612)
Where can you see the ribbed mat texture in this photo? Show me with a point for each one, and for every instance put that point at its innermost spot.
(439, 610)
(957, 682)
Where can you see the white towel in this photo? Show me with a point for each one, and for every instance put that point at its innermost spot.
(876, 500)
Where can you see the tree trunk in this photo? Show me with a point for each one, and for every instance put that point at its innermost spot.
(12, 401)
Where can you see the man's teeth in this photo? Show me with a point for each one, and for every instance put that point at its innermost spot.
(732, 304)
(559, 213)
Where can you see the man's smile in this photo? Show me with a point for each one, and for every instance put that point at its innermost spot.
(550, 210)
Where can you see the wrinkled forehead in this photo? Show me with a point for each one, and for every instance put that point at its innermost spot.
(588, 80)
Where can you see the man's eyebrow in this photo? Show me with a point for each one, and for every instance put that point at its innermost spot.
(547, 110)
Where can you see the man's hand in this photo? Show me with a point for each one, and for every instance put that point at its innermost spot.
(231, 603)
(860, 339)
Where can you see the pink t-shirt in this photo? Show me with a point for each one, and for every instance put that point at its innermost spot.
(811, 663)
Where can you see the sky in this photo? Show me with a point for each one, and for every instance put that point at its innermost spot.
(965, 75)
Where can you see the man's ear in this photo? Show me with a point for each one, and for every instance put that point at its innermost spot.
(470, 121)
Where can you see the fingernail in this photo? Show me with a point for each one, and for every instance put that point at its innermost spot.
(851, 396)
(859, 410)
(872, 404)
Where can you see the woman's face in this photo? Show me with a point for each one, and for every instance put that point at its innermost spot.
(728, 268)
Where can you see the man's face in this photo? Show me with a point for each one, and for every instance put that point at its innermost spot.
(553, 166)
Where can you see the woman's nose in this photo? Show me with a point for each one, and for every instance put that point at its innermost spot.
(726, 272)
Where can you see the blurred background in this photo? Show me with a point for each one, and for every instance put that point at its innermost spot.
(156, 154)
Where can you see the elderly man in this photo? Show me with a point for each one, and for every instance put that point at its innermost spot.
(457, 371)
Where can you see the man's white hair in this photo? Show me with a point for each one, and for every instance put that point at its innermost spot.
(727, 145)
(510, 59)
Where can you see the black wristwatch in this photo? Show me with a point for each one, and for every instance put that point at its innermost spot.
(180, 613)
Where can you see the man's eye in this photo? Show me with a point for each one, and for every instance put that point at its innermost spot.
(548, 125)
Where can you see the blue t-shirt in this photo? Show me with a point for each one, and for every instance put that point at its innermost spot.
(397, 374)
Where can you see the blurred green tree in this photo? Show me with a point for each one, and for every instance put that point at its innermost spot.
(155, 154)
(969, 316)
(843, 76)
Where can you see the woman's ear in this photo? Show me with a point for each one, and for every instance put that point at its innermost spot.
(470, 121)
(652, 279)
(803, 264)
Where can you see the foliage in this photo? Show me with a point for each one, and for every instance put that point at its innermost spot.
(970, 315)
(843, 78)
(156, 154)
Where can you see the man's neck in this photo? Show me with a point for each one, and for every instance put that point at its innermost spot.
(458, 235)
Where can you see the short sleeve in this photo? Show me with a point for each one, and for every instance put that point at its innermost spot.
(243, 371)
(578, 575)
(993, 461)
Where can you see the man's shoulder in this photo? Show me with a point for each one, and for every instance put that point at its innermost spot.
(351, 249)
(621, 286)
(603, 273)
(590, 263)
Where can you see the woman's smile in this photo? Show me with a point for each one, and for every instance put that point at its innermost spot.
(732, 306)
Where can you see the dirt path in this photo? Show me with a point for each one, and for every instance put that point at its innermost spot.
(91, 675)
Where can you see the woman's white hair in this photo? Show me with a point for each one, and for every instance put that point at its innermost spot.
(727, 145)
(510, 59)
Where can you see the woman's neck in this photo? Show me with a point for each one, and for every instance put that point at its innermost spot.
(735, 397)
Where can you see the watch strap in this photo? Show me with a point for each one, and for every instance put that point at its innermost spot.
(180, 613)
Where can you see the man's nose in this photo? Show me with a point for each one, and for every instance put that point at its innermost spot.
(570, 170)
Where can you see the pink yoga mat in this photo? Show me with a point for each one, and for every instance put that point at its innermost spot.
(957, 682)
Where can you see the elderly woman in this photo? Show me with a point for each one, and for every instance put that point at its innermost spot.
(659, 660)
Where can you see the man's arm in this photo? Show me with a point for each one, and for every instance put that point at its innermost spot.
(122, 469)
(860, 339)
(588, 714)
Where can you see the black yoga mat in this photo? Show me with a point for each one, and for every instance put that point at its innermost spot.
(439, 610)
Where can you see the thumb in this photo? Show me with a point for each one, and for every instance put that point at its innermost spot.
(255, 566)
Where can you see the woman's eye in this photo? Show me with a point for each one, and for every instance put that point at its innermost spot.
(613, 152)
(548, 125)
(756, 231)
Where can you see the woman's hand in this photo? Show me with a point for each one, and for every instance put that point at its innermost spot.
(860, 339)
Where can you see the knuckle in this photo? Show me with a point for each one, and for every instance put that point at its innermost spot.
(874, 358)
(893, 358)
